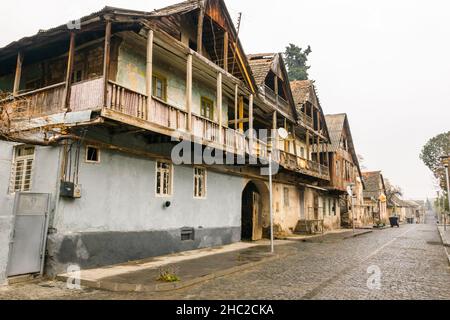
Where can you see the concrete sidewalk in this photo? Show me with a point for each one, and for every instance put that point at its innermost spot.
(445, 237)
(191, 267)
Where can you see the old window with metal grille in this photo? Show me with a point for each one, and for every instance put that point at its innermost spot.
(163, 179)
(199, 183)
(22, 168)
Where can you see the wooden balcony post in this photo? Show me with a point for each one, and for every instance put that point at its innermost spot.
(241, 114)
(225, 51)
(189, 92)
(294, 137)
(274, 132)
(201, 17)
(106, 60)
(18, 74)
(69, 71)
(250, 121)
(308, 153)
(219, 104)
(236, 104)
(318, 121)
(275, 81)
(149, 74)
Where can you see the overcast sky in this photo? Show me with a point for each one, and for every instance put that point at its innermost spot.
(385, 63)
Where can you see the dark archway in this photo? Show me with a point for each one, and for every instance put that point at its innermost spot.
(255, 208)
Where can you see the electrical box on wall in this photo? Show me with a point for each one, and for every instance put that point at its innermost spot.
(70, 190)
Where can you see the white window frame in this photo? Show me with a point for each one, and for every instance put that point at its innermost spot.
(170, 188)
(86, 154)
(25, 159)
(205, 183)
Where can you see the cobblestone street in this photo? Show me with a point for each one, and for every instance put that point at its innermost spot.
(411, 259)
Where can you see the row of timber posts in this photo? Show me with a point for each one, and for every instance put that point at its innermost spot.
(68, 77)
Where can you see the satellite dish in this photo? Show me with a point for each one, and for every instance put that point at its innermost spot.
(349, 191)
(282, 132)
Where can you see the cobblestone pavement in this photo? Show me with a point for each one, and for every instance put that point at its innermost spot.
(411, 260)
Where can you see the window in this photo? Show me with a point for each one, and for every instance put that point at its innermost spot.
(286, 197)
(302, 152)
(199, 183)
(92, 154)
(159, 87)
(163, 179)
(22, 169)
(77, 74)
(207, 110)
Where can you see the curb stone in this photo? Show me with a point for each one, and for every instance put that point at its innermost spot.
(164, 287)
(358, 234)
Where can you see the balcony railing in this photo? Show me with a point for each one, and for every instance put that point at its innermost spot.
(295, 163)
(36, 103)
(307, 120)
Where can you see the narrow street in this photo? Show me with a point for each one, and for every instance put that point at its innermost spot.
(411, 259)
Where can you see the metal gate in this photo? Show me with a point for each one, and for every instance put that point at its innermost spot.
(27, 247)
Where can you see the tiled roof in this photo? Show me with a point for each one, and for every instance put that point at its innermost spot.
(335, 124)
(372, 181)
(260, 65)
(302, 91)
(182, 7)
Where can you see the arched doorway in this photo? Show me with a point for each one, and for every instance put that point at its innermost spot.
(255, 210)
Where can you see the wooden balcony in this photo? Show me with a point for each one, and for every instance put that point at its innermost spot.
(36, 103)
(308, 167)
(127, 105)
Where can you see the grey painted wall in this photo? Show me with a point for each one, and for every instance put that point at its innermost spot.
(44, 178)
(120, 218)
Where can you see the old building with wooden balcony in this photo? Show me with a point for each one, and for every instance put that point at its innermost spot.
(112, 122)
(375, 200)
(345, 172)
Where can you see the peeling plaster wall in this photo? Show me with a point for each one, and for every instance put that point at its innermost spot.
(286, 215)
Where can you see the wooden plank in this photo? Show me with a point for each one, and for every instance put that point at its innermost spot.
(225, 51)
(18, 74)
(149, 74)
(244, 120)
(69, 71)
(250, 124)
(189, 92)
(106, 59)
(219, 104)
(201, 17)
(241, 114)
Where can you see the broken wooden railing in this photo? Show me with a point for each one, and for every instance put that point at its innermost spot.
(35, 103)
